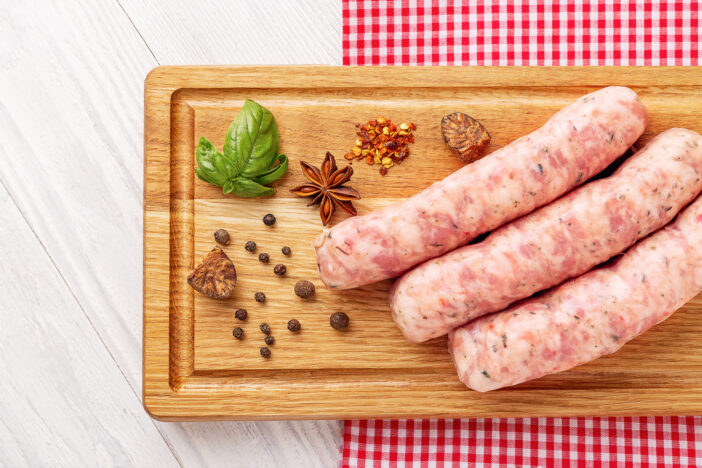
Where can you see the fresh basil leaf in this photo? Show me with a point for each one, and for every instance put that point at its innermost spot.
(246, 188)
(228, 186)
(224, 166)
(275, 172)
(250, 159)
(207, 156)
(251, 143)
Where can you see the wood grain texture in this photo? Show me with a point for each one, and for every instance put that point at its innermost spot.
(182, 32)
(371, 370)
(71, 117)
(56, 372)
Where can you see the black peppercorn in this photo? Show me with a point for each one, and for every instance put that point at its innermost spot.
(250, 246)
(286, 250)
(339, 321)
(221, 236)
(260, 297)
(238, 333)
(263, 258)
(265, 328)
(294, 325)
(280, 269)
(269, 220)
(241, 314)
(269, 340)
(304, 288)
(265, 352)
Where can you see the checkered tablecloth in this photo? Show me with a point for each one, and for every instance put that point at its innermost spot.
(523, 32)
(660, 441)
(507, 32)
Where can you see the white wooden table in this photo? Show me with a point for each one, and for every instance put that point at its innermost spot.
(71, 120)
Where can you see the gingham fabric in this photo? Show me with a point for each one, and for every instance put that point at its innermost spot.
(526, 32)
(548, 442)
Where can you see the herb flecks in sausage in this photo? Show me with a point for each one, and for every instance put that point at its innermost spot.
(589, 317)
(562, 240)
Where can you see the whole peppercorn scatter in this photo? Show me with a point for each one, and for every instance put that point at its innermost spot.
(241, 314)
(265, 352)
(265, 328)
(238, 333)
(304, 289)
(269, 220)
(264, 258)
(250, 246)
(294, 325)
(221, 236)
(280, 269)
(269, 340)
(339, 321)
(286, 250)
(260, 297)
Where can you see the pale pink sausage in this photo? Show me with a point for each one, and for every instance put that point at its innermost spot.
(574, 145)
(588, 317)
(559, 241)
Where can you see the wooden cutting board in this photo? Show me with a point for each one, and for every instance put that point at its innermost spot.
(195, 369)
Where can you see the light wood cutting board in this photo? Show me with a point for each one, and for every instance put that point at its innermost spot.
(195, 369)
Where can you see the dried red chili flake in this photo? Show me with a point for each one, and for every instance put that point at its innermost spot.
(382, 142)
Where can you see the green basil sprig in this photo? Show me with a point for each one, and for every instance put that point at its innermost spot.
(250, 160)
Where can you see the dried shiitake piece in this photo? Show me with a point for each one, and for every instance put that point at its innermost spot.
(465, 135)
(215, 277)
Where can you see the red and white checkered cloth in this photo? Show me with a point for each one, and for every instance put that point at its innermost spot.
(660, 441)
(526, 32)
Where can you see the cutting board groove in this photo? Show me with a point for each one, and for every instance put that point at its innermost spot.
(194, 368)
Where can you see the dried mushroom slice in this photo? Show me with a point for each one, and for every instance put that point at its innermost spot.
(465, 135)
(215, 277)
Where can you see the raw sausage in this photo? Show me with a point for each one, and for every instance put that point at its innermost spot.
(588, 317)
(575, 144)
(559, 241)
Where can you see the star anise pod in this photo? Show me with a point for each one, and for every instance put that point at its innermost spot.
(326, 187)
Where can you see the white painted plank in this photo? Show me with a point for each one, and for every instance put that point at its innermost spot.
(71, 119)
(240, 32)
(306, 444)
(62, 399)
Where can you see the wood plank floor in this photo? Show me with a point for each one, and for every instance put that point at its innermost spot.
(71, 118)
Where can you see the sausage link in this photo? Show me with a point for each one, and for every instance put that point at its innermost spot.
(574, 145)
(588, 317)
(554, 243)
